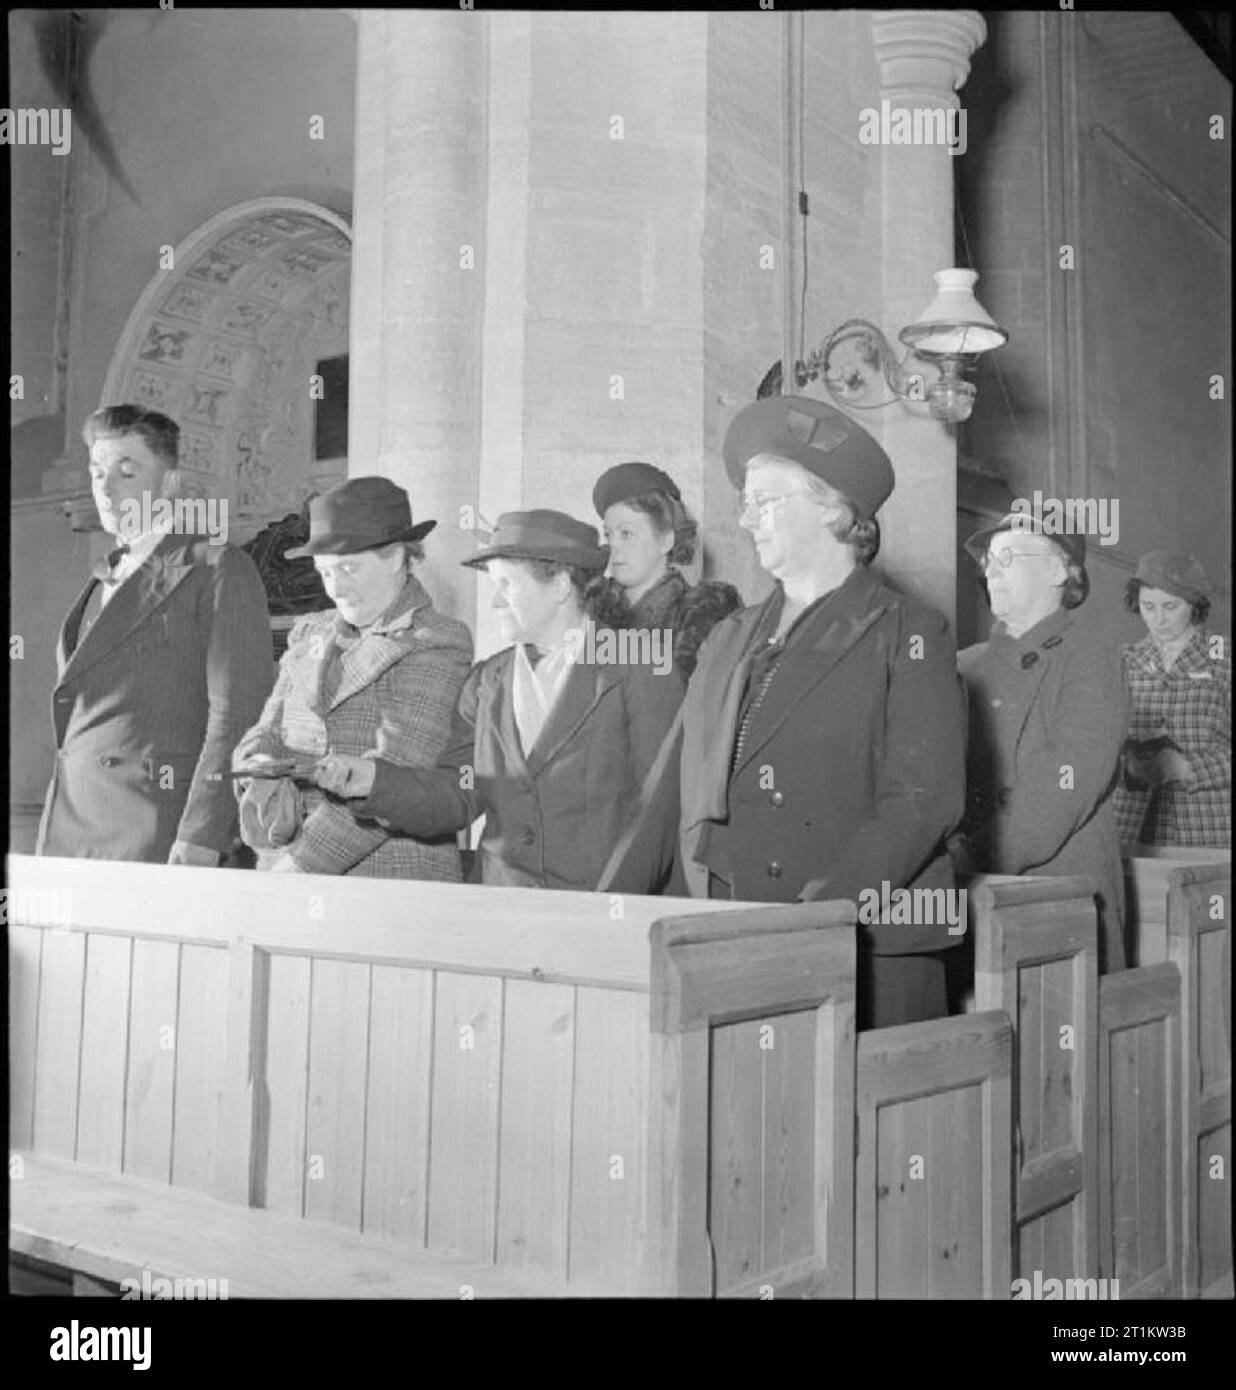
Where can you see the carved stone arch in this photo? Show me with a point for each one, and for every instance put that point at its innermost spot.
(226, 341)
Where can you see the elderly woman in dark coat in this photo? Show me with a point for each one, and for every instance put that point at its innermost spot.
(382, 669)
(821, 746)
(552, 737)
(1176, 770)
(1048, 711)
(650, 534)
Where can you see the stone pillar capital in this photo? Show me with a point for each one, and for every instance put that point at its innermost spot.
(925, 54)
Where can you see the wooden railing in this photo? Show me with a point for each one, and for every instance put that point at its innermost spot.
(624, 1094)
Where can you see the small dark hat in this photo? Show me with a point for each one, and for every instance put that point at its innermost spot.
(627, 480)
(1074, 546)
(360, 514)
(820, 438)
(1175, 573)
(542, 535)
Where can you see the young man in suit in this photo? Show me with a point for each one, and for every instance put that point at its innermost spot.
(164, 661)
(820, 753)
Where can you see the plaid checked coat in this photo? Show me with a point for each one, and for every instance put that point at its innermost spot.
(1192, 704)
(392, 687)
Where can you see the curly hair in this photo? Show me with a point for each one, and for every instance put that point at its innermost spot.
(158, 432)
(669, 514)
(1199, 609)
(862, 534)
(600, 600)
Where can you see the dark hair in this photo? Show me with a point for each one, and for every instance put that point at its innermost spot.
(668, 514)
(596, 595)
(1199, 609)
(159, 433)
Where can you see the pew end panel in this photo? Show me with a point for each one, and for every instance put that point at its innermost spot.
(1036, 957)
(1139, 1105)
(751, 1140)
(933, 1209)
(1199, 940)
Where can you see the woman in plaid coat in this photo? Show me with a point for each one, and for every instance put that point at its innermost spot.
(383, 670)
(1176, 769)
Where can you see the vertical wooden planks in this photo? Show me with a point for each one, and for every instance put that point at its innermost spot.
(953, 1174)
(281, 1185)
(1212, 1159)
(736, 1176)
(463, 1154)
(934, 1090)
(397, 1111)
(1028, 1020)
(105, 1048)
(335, 1118)
(201, 1060)
(25, 951)
(538, 1077)
(789, 1142)
(59, 1042)
(1140, 1188)
(900, 1233)
(153, 1040)
(608, 1172)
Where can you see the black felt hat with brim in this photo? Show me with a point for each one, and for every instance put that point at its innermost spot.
(821, 439)
(360, 514)
(542, 534)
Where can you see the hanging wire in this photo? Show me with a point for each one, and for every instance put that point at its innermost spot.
(800, 20)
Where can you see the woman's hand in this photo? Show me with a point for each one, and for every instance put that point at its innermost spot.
(345, 775)
(285, 864)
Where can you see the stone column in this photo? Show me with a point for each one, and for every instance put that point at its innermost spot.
(417, 296)
(923, 57)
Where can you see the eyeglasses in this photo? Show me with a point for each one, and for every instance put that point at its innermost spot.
(1003, 559)
(765, 506)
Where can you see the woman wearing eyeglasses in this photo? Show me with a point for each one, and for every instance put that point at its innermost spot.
(1048, 713)
(821, 753)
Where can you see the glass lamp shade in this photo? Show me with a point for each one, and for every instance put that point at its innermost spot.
(954, 323)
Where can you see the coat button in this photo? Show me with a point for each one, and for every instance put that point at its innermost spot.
(528, 837)
(1004, 795)
(776, 798)
(774, 870)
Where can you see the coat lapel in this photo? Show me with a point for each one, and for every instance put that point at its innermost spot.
(496, 711)
(838, 628)
(578, 697)
(141, 595)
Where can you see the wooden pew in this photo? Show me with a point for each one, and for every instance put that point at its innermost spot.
(460, 1074)
(1199, 937)
(1036, 957)
(932, 1204)
(1146, 872)
(1140, 1153)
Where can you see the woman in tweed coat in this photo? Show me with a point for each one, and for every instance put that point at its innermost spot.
(1176, 770)
(383, 670)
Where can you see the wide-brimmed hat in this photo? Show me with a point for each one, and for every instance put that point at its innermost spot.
(360, 514)
(819, 437)
(542, 535)
(1175, 573)
(1072, 544)
(627, 480)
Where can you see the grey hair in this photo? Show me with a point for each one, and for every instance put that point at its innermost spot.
(861, 534)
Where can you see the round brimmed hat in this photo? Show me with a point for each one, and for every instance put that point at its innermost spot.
(820, 438)
(542, 535)
(627, 480)
(1175, 573)
(360, 514)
